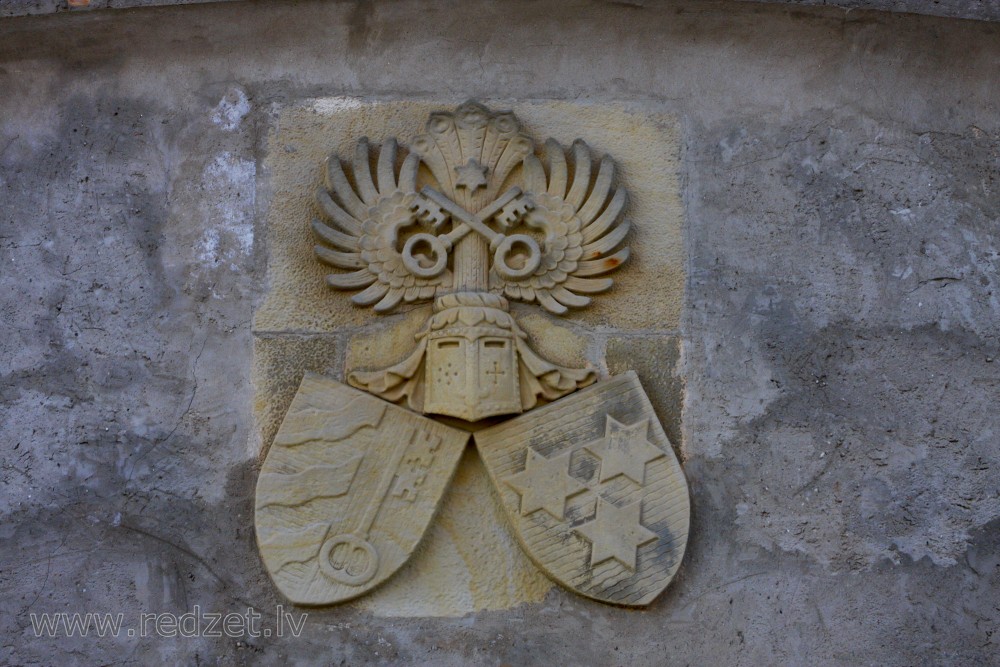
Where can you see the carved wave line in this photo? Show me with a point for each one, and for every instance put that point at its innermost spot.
(284, 547)
(321, 481)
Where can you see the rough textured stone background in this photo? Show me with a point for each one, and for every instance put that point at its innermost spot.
(838, 350)
(986, 10)
(36, 7)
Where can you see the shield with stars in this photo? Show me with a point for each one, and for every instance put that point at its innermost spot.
(593, 491)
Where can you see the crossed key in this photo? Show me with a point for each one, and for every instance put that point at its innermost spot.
(503, 246)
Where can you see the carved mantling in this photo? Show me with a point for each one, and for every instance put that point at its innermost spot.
(467, 315)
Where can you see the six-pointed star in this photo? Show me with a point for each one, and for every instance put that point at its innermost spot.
(616, 532)
(624, 450)
(545, 484)
(471, 175)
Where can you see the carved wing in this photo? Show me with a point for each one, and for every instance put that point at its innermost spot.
(581, 227)
(375, 231)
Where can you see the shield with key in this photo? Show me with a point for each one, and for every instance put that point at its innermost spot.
(347, 490)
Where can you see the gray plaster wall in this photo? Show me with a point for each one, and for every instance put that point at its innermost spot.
(984, 10)
(840, 340)
(38, 7)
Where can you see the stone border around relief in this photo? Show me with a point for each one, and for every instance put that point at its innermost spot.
(449, 575)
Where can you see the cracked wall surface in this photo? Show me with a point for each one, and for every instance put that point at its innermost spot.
(984, 10)
(831, 389)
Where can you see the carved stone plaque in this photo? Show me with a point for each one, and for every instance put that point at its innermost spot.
(470, 216)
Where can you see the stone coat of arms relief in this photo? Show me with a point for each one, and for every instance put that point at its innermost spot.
(468, 216)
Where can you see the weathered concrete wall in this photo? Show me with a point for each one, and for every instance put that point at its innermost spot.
(839, 337)
(38, 7)
(985, 10)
